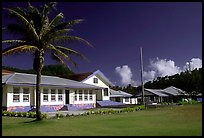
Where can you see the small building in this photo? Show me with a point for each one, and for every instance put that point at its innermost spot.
(152, 96)
(169, 94)
(121, 96)
(175, 94)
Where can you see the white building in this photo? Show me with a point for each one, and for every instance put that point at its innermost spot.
(19, 93)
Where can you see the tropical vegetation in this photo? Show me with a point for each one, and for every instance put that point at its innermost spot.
(189, 81)
(38, 34)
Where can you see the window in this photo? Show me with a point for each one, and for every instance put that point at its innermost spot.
(80, 95)
(60, 97)
(45, 95)
(95, 80)
(16, 94)
(26, 94)
(106, 92)
(85, 95)
(75, 95)
(127, 99)
(53, 95)
(90, 95)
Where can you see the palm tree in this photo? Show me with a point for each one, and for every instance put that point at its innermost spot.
(37, 34)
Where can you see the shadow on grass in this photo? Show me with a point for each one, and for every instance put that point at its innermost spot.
(34, 121)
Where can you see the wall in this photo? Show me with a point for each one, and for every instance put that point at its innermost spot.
(100, 84)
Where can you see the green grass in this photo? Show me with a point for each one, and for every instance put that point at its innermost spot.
(166, 121)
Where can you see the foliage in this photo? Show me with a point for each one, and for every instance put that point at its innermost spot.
(54, 70)
(38, 34)
(22, 114)
(189, 81)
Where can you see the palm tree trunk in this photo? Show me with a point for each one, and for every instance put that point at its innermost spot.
(38, 79)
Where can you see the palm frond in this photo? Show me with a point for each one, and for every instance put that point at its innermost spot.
(13, 41)
(70, 39)
(56, 19)
(21, 16)
(70, 51)
(60, 60)
(64, 25)
(49, 36)
(59, 52)
(18, 49)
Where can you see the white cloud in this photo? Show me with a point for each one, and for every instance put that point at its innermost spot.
(193, 64)
(157, 68)
(126, 75)
(160, 67)
(149, 75)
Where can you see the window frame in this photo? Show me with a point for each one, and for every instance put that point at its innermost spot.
(45, 94)
(80, 95)
(105, 93)
(60, 95)
(53, 94)
(16, 93)
(26, 94)
(95, 80)
(90, 95)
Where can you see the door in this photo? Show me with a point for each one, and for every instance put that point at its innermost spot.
(67, 96)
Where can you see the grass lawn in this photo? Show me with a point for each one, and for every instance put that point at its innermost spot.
(183, 120)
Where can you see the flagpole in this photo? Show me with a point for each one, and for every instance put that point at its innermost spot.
(141, 64)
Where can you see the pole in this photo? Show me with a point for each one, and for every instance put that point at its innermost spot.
(141, 64)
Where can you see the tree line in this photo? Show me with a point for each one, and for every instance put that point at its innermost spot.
(50, 70)
(189, 81)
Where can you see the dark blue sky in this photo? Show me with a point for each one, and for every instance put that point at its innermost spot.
(117, 30)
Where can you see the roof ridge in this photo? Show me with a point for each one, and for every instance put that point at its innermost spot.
(11, 76)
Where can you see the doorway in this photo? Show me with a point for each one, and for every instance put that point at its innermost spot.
(67, 96)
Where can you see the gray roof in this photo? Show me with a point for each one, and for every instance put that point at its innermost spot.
(146, 93)
(150, 92)
(119, 93)
(30, 80)
(158, 92)
(174, 91)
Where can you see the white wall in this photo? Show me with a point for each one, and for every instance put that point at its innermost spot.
(100, 84)
(4, 95)
(8, 96)
(83, 101)
(134, 101)
(128, 102)
(49, 102)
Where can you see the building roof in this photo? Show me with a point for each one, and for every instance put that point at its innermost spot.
(158, 92)
(30, 80)
(163, 92)
(150, 92)
(119, 93)
(85, 76)
(174, 91)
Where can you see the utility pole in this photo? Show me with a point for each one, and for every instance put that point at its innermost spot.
(141, 64)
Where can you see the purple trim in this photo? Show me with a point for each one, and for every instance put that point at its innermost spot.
(50, 108)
